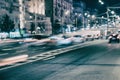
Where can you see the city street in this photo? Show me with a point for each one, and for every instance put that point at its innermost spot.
(60, 40)
(97, 61)
(31, 48)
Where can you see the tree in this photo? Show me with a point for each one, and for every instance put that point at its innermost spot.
(7, 24)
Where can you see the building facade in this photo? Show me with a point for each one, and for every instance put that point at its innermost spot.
(78, 11)
(59, 12)
(32, 14)
(35, 18)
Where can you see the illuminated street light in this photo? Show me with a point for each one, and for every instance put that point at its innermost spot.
(112, 12)
(67, 12)
(88, 15)
(101, 2)
(85, 14)
(93, 16)
(102, 16)
(108, 16)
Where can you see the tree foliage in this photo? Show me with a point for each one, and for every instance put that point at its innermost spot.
(6, 24)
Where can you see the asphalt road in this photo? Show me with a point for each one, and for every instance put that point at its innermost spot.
(18, 48)
(100, 61)
(30, 48)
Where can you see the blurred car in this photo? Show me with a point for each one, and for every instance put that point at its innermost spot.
(97, 36)
(114, 38)
(78, 39)
(66, 41)
(59, 40)
(89, 37)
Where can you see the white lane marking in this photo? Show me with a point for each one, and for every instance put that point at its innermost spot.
(49, 58)
(6, 49)
(4, 54)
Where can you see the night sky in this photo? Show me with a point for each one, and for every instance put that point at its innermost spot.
(94, 4)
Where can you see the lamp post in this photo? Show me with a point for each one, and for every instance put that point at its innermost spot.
(108, 16)
(101, 2)
(83, 21)
(63, 19)
(35, 12)
(77, 15)
(76, 19)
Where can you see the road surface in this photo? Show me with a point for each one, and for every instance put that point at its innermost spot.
(100, 61)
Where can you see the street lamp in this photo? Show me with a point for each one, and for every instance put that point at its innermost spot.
(76, 19)
(101, 2)
(77, 15)
(66, 13)
(108, 16)
(112, 12)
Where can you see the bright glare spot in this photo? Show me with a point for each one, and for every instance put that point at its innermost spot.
(112, 12)
(88, 15)
(67, 12)
(102, 16)
(79, 15)
(93, 16)
(85, 14)
(101, 2)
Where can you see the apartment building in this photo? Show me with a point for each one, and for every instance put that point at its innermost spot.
(78, 11)
(59, 12)
(38, 13)
(34, 16)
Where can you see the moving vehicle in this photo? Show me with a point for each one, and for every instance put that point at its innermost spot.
(59, 40)
(78, 39)
(114, 38)
(89, 37)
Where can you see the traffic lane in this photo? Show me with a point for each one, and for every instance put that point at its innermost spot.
(18, 48)
(12, 49)
(35, 49)
(31, 48)
(27, 47)
(74, 65)
(8, 48)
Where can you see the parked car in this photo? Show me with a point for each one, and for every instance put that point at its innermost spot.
(114, 38)
(78, 39)
(89, 37)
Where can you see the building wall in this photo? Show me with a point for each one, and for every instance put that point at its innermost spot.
(36, 15)
(53, 9)
(11, 8)
(36, 6)
(78, 9)
(59, 11)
